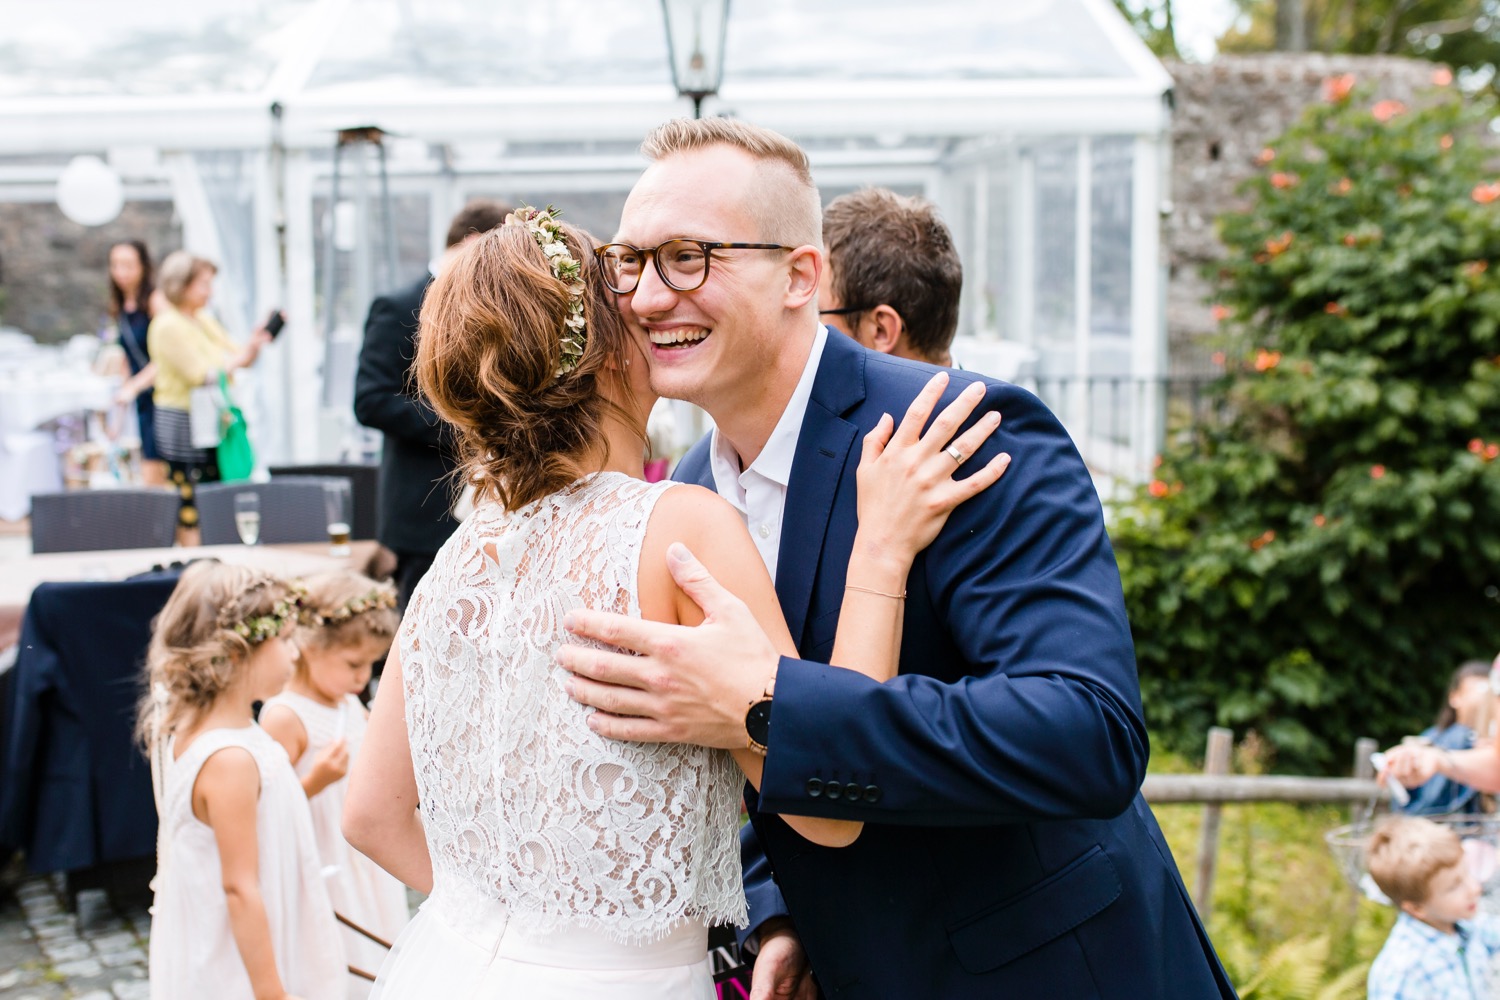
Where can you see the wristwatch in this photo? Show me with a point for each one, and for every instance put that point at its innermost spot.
(758, 719)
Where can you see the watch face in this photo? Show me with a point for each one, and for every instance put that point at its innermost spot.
(758, 721)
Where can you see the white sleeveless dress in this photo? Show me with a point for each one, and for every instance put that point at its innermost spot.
(360, 889)
(564, 865)
(193, 951)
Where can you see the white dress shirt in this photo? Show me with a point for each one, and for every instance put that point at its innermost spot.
(759, 492)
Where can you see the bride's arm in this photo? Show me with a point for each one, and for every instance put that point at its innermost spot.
(380, 808)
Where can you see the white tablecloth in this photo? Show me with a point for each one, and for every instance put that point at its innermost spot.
(29, 398)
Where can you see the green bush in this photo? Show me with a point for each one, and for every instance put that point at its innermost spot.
(1313, 562)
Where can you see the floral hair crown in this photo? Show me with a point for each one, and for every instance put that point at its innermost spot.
(259, 628)
(380, 597)
(543, 226)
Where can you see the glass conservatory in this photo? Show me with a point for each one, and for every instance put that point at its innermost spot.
(317, 149)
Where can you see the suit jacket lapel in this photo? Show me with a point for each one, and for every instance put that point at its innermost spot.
(822, 451)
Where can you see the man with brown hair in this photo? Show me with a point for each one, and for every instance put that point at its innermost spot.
(415, 499)
(893, 276)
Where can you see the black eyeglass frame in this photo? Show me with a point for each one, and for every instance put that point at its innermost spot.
(846, 311)
(708, 247)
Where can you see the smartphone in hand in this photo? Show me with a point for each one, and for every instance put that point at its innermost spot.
(275, 322)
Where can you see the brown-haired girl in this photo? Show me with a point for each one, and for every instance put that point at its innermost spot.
(241, 911)
(561, 863)
(346, 624)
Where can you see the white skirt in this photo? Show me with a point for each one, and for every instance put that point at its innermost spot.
(468, 956)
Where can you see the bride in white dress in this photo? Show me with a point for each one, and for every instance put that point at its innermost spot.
(559, 863)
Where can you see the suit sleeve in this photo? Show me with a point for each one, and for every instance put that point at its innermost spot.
(762, 897)
(1033, 712)
(382, 398)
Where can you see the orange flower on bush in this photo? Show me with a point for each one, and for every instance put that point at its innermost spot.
(1158, 488)
(1476, 446)
(1266, 538)
(1338, 88)
(1217, 358)
(1219, 312)
(1491, 451)
(1344, 186)
(1350, 240)
(1384, 111)
(1377, 472)
(1266, 360)
(1442, 76)
(1475, 268)
(1319, 520)
(1446, 142)
(1485, 193)
(1278, 245)
(1281, 179)
(1265, 156)
(1335, 309)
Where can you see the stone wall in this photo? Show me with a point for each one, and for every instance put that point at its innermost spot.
(54, 274)
(1227, 111)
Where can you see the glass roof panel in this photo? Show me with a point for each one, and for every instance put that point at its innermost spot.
(173, 47)
(64, 48)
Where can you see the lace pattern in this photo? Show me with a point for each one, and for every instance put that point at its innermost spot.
(521, 801)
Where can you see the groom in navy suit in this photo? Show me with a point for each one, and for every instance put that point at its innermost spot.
(1007, 851)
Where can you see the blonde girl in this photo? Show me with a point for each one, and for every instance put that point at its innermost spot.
(346, 623)
(241, 912)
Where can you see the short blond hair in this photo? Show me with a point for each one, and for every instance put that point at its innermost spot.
(784, 202)
(179, 270)
(1407, 852)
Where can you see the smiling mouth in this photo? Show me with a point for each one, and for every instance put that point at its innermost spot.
(677, 339)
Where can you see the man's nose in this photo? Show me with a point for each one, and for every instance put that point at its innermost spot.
(652, 295)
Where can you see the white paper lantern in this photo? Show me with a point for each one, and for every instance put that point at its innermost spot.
(89, 191)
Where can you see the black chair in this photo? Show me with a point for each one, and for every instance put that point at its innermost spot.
(291, 510)
(85, 520)
(364, 487)
(75, 790)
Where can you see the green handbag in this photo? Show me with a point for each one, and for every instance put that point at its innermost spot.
(236, 457)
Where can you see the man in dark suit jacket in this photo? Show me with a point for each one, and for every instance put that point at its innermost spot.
(416, 496)
(1006, 850)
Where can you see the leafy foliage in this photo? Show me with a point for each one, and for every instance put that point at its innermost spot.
(1153, 21)
(1460, 33)
(1315, 562)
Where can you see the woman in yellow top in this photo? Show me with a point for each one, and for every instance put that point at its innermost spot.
(190, 349)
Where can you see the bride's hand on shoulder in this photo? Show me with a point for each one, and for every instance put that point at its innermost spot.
(907, 484)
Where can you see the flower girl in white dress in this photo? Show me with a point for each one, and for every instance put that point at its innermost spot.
(240, 911)
(346, 623)
(562, 864)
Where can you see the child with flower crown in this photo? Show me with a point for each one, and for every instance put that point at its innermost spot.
(346, 623)
(241, 911)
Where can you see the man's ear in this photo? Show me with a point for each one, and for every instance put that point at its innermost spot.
(885, 328)
(804, 270)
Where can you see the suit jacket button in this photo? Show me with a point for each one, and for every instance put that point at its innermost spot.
(814, 788)
(872, 794)
(833, 789)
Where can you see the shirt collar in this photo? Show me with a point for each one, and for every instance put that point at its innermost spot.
(775, 460)
(1434, 937)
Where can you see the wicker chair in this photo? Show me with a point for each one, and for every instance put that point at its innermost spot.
(291, 510)
(364, 488)
(86, 520)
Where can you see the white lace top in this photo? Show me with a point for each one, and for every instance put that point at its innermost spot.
(521, 801)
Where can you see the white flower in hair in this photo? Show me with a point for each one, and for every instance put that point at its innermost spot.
(547, 231)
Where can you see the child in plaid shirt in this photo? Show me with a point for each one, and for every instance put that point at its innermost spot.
(1440, 947)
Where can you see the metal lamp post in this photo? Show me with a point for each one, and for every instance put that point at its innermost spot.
(695, 46)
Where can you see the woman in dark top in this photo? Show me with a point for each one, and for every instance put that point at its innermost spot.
(132, 303)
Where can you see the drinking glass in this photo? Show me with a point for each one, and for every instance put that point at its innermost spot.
(247, 517)
(336, 503)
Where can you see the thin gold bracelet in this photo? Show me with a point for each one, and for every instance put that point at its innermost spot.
(878, 593)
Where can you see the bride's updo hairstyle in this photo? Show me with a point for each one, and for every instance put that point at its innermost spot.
(489, 353)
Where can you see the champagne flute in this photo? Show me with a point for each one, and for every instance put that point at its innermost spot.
(336, 504)
(247, 517)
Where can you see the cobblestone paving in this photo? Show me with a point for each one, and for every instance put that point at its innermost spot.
(97, 953)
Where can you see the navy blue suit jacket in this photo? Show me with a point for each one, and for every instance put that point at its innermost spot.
(1007, 851)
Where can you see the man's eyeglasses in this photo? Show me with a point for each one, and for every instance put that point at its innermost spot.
(682, 264)
(849, 311)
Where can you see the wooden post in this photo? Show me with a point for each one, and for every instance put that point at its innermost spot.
(1216, 762)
